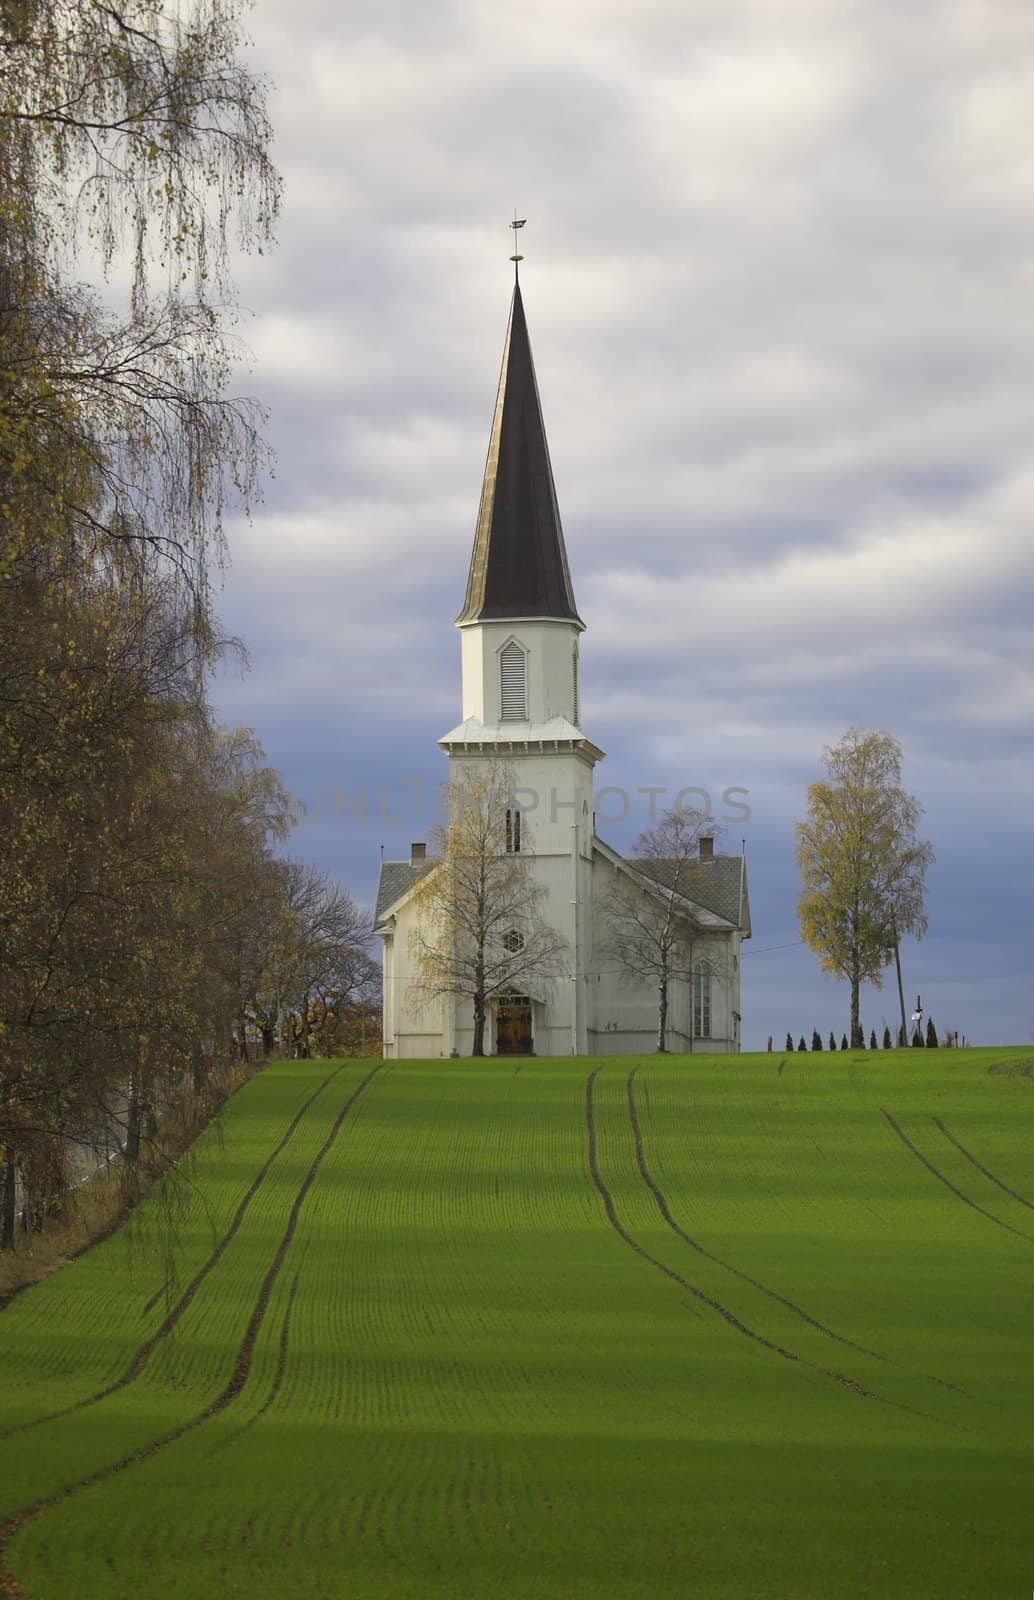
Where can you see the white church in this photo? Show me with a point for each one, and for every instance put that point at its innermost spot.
(519, 633)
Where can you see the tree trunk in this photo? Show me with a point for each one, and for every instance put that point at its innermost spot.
(268, 1039)
(478, 1048)
(7, 1203)
(662, 1017)
(198, 1074)
(856, 1026)
(132, 1151)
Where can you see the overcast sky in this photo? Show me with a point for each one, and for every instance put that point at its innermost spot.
(779, 275)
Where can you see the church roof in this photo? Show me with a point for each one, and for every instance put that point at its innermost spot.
(519, 564)
(719, 885)
(555, 733)
(396, 879)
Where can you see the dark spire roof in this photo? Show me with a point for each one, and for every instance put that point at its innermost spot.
(519, 564)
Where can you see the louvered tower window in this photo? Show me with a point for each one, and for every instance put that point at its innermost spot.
(574, 684)
(513, 691)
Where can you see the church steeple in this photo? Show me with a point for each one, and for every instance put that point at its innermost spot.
(518, 569)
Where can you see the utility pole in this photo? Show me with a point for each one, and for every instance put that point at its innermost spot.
(901, 987)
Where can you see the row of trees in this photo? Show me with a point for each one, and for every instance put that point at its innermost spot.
(147, 924)
(918, 1040)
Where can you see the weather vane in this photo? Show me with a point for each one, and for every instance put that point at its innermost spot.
(516, 258)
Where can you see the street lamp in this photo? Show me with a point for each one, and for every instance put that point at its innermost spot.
(917, 1016)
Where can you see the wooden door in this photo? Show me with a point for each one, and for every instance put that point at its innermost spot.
(513, 1027)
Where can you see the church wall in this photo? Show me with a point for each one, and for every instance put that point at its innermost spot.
(615, 1016)
(426, 1029)
(549, 648)
(554, 793)
(553, 789)
(623, 1011)
(414, 1028)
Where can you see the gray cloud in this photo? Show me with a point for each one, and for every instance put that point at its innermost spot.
(778, 283)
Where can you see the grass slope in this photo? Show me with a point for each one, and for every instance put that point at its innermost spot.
(741, 1326)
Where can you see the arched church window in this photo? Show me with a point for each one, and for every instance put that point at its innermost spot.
(514, 941)
(513, 688)
(513, 832)
(702, 1000)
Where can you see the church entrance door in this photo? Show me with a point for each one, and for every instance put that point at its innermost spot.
(513, 1026)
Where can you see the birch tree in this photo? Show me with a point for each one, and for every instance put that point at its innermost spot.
(650, 931)
(133, 142)
(481, 931)
(131, 135)
(862, 865)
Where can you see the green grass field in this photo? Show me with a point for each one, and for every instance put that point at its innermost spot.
(740, 1326)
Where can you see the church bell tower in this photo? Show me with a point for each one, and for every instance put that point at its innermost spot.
(519, 627)
(519, 633)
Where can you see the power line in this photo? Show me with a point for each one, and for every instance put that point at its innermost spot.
(985, 977)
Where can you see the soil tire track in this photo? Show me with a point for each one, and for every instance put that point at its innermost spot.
(709, 1255)
(737, 1272)
(961, 1148)
(988, 1215)
(147, 1349)
(700, 1294)
(9, 1584)
(278, 1376)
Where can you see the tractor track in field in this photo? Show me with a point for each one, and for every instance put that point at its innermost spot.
(961, 1148)
(278, 1376)
(281, 1356)
(737, 1272)
(12, 1525)
(989, 1216)
(723, 1311)
(147, 1349)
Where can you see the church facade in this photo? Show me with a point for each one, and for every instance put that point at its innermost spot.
(519, 633)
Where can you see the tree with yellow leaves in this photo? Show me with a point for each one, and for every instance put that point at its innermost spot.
(481, 930)
(863, 869)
